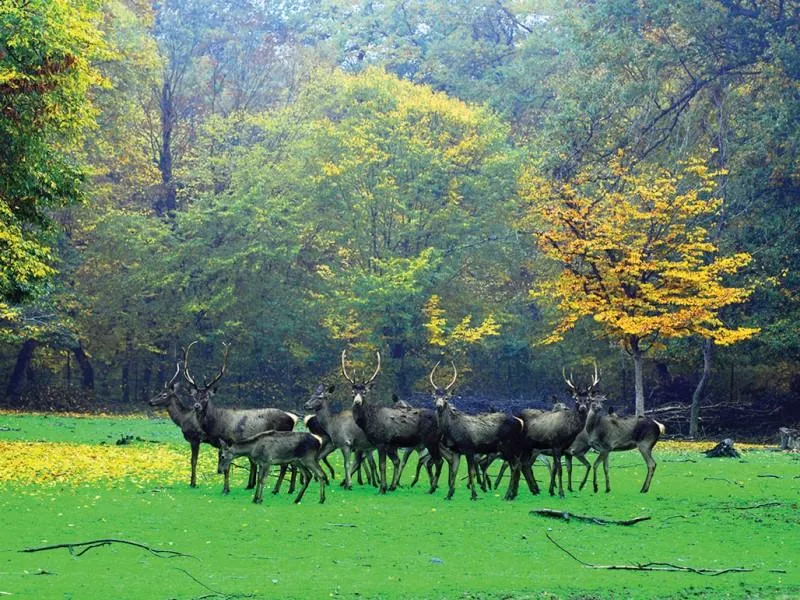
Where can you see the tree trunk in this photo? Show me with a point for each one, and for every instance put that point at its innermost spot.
(638, 378)
(694, 417)
(87, 371)
(21, 367)
(167, 201)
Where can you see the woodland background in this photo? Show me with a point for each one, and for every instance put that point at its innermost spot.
(300, 177)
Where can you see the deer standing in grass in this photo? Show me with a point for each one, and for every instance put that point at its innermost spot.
(184, 417)
(297, 448)
(230, 424)
(391, 428)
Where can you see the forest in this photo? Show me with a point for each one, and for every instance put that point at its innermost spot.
(522, 188)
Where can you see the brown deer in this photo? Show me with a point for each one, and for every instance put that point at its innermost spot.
(390, 428)
(471, 435)
(184, 417)
(297, 448)
(229, 424)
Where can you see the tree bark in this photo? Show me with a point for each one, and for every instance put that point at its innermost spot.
(638, 378)
(694, 417)
(167, 201)
(21, 367)
(87, 371)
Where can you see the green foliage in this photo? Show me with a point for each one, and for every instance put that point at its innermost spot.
(46, 74)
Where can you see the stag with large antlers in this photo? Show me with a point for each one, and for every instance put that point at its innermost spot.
(184, 417)
(553, 433)
(392, 428)
(471, 435)
(343, 431)
(229, 424)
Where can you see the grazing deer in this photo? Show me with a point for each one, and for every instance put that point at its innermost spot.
(228, 424)
(268, 448)
(344, 433)
(183, 417)
(392, 428)
(471, 435)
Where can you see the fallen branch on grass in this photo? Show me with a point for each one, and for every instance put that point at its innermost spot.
(90, 545)
(773, 476)
(651, 566)
(214, 593)
(757, 506)
(560, 514)
(741, 485)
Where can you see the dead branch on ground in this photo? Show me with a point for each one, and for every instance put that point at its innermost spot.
(651, 566)
(90, 545)
(564, 515)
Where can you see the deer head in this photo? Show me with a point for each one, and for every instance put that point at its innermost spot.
(359, 388)
(202, 394)
(170, 390)
(583, 393)
(225, 457)
(441, 395)
(319, 397)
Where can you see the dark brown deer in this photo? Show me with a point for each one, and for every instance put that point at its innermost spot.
(184, 417)
(344, 433)
(471, 435)
(390, 428)
(552, 433)
(611, 433)
(229, 424)
(297, 448)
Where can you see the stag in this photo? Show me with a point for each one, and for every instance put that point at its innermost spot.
(552, 433)
(183, 417)
(228, 424)
(391, 428)
(297, 448)
(344, 433)
(470, 435)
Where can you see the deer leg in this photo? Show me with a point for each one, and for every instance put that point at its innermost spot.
(292, 478)
(605, 472)
(594, 469)
(452, 462)
(513, 481)
(557, 471)
(646, 452)
(526, 466)
(251, 479)
(313, 465)
(588, 465)
(263, 470)
(306, 474)
(326, 451)
(382, 466)
(500, 474)
(279, 481)
(406, 454)
(195, 451)
(568, 460)
(392, 452)
(471, 475)
(371, 469)
(347, 482)
(226, 481)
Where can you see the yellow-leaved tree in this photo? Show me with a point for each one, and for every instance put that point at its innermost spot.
(636, 255)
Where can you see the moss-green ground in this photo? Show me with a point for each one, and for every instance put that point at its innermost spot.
(407, 544)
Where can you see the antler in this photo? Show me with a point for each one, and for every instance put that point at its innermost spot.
(224, 366)
(186, 375)
(344, 368)
(455, 375)
(431, 375)
(351, 379)
(596, 377)
(568, 381)
(377, 369)
(174, 377)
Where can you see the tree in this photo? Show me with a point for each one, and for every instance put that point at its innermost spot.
(46, 74)
(636, 256)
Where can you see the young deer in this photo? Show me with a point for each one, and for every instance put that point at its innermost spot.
(283, 448)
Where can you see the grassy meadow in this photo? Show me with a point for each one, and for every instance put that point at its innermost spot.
(66, 480)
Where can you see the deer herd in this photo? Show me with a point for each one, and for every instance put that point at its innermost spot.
(267, 436)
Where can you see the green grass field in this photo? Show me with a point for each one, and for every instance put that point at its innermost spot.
(64, 480)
